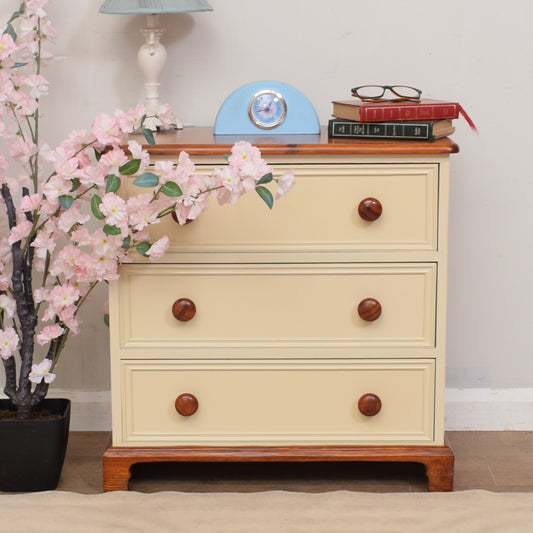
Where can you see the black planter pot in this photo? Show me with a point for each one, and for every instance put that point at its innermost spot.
(32, 451)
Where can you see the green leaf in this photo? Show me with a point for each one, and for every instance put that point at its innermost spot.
(267, 178)
(97, 154)
(129, 168)
(266, 195)
(112, 183)
(11, 31)
(126, 243)
(112, 230)
(95, 207)
(19, 65)
(148, 179)
(143, 247)
(226, 156)
(17, 14)
(106, 319)
(76, 183)
(171, 189)
(66, 201)
(148, 135)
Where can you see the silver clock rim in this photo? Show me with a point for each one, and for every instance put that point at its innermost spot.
(269, 125)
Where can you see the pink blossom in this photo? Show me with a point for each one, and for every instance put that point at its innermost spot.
(68, 317)
(12, 183)
(38, 85)
(141, 212)
(30, 203)
(9, 342)
(22, 149)
(63, 159)
(20, 231)
(41, 294)
(114, 209)
(78, 138)
(42, 371)
(64, 296)
(230, 179)
(184, 169)
(285, 183)
(44, 243)
(113, 160)
(243, 153)
(24, 104)
(107, 130)
(164, 170)
(137, 151)
(55, 187)
(7, 46)
(72, 217)
(7, 305)
(165, 116)
(131, 120)
(49, 333)
(92, 175)
(70, 262)
(82, 236)
(35, 7)
(104, 267)
(158, 248)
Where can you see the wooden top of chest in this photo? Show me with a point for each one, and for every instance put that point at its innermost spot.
(202, 141)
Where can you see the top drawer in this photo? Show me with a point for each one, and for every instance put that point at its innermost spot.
(321, 213)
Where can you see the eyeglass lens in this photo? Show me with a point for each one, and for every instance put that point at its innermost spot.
(378, 91)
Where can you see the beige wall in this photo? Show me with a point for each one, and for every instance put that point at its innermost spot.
(474, 51)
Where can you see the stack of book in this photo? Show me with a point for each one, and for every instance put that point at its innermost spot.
(423, 119)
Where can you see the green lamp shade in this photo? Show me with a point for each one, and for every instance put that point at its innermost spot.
(152, 7)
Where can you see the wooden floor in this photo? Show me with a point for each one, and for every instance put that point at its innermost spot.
(496, 461)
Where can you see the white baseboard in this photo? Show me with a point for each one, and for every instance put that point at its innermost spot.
(90, 410)
(489, 409)
(466, 409)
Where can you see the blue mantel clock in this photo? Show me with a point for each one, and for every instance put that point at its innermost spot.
(263, 107)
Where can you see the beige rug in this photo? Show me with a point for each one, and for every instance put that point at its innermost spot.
(267, 512)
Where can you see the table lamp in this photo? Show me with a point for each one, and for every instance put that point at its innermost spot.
(152, 55)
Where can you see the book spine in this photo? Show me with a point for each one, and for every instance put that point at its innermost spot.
(408, 112)
(395, 130)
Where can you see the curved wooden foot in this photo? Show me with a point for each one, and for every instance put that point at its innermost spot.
(440, 474)
(116, 470)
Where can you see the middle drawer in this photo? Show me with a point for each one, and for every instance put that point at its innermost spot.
(366, 305)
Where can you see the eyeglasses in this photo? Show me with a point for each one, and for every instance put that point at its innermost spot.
(375, 92)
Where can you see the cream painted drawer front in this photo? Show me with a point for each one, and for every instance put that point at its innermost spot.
(254, 402)
(278, 305)
(321, 214)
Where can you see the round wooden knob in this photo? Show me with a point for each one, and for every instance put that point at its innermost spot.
(183, 309)
(369, 309)
(370, 209)
(186, 404)
(369, 404)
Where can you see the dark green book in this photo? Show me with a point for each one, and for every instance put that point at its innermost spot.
(422, 131)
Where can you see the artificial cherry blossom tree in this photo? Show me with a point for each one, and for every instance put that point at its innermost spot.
(51, 258)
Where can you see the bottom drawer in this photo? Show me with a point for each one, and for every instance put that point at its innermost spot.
(265, 403)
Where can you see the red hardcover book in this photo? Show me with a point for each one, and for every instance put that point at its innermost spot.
(399, 110)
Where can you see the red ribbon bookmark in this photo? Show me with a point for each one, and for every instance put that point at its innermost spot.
(467, 118)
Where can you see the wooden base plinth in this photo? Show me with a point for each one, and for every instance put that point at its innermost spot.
(438, 460)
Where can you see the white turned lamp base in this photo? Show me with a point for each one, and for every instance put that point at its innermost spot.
(152, 58)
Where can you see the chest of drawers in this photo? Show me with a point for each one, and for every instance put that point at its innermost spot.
(312, 332)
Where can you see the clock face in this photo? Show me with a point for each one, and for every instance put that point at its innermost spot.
(267, 109)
